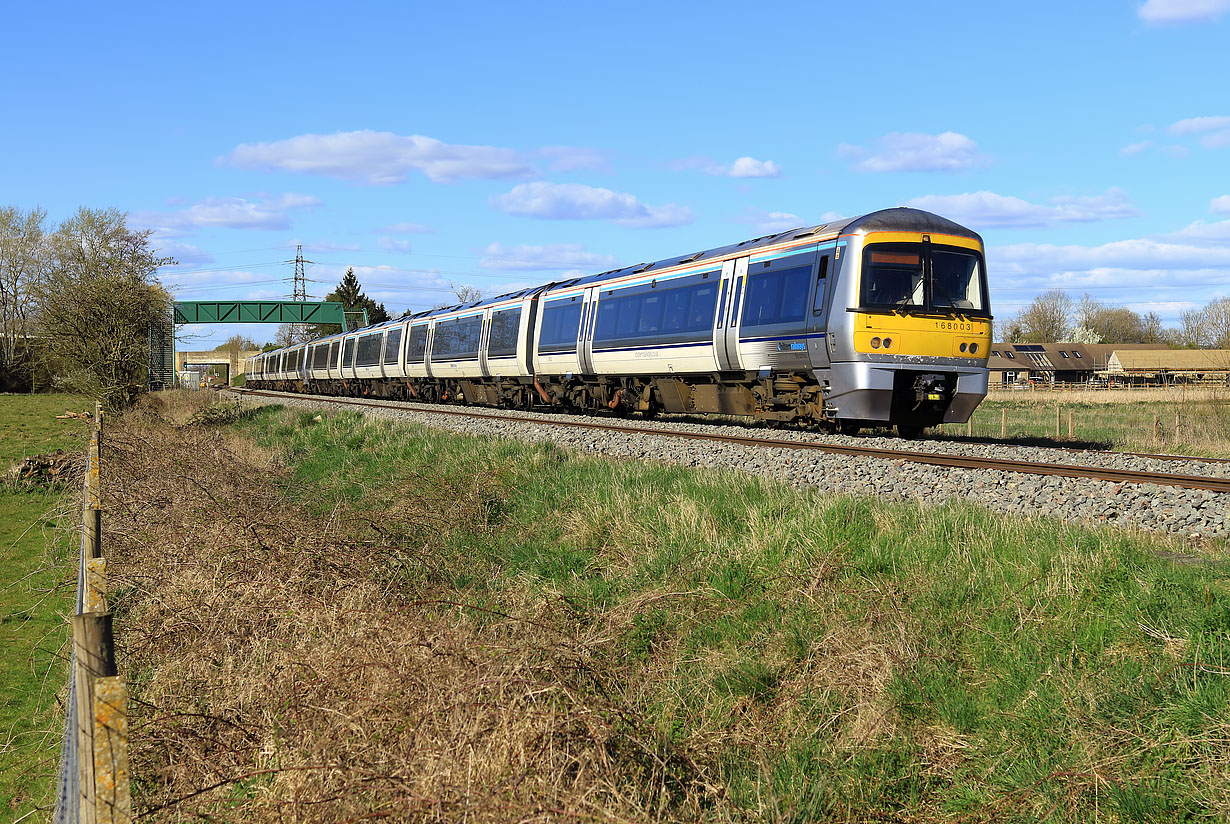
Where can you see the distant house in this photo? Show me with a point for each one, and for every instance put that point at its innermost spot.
(1020, 363)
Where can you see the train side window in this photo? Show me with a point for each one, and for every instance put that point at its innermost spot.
(504, 327)
(416, 348)
(817, 306)
(392, 346)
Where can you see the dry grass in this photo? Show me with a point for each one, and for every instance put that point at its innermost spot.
(284, 670)
(1172, 394)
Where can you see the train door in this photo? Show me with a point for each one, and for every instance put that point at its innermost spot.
(726, 329)
(484, 343)
(585, 332)
(818, 316)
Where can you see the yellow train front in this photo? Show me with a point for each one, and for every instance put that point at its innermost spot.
(908, 323)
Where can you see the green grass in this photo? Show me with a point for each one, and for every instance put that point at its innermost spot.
(1152, 422)
(832, 658)
(34, 598)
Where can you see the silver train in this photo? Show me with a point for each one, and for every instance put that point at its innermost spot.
(882, 320)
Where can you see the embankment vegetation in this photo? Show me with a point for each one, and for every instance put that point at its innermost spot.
(328, 618)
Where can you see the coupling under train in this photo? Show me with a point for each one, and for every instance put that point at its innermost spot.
(878, 320)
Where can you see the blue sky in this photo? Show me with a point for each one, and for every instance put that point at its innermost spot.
(500, 144)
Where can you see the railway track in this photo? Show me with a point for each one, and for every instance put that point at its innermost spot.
(1106, 474)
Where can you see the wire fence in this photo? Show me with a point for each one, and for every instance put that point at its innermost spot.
(93, 787)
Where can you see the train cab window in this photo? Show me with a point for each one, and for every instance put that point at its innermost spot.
(956, 280)
(333, 349)
(892, 277)
(822, 271)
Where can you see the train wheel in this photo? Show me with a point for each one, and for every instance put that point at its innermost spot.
(909, 431)
(848, 427)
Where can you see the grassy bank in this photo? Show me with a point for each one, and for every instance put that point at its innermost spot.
(394, 622)
(33, 601)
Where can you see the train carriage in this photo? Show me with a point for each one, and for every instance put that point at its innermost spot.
(880, 319)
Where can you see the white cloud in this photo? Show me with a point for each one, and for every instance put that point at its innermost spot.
(742, 167)
(185, 254)
(910, 152)
(553, 256)
(1215, 129)
(1220, 205)
(1140, 255)
(574, 201)
(1203, 233)
(1182, 11)
(1136, 148)
(226, 213)
(390, 244)
(991, 210)
(751, 167)
(576, 158)
(769, 222)
(1217, 140)
(404, 229)
(380, 158)
(1199, 125)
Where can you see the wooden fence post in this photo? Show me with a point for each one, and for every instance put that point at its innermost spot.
(1071, 423)
(1003, 423)
(112, 795)
(94, 658)
(95, 596)
(1058, 417)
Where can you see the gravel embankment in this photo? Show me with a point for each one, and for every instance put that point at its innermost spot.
(1193, 513)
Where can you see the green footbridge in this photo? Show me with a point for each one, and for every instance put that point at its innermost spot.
(162, 335)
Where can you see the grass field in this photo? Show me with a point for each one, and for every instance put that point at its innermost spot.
(395, 622)
(1181, 421)
(33, 600)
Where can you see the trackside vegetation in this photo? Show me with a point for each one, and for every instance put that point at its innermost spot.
(328, 617)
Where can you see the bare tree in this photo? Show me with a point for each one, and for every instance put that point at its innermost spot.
(1216, 317)
(97, 304)
(289, 334)
(23, 263)
(464, 294)
(1046, 319)
(1114, 324)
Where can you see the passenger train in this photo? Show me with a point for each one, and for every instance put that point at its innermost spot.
(878, 320)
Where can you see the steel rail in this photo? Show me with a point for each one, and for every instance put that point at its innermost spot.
(1110, 475)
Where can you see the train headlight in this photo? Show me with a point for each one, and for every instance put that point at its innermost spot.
(888, 343)
(963, 347)
(875, 343)
(973, 348)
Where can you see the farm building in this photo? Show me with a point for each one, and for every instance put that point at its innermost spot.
(1017, 363)
(1169, 365)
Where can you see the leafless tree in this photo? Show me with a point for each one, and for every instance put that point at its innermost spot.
(23, 264)
(1046, 319)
